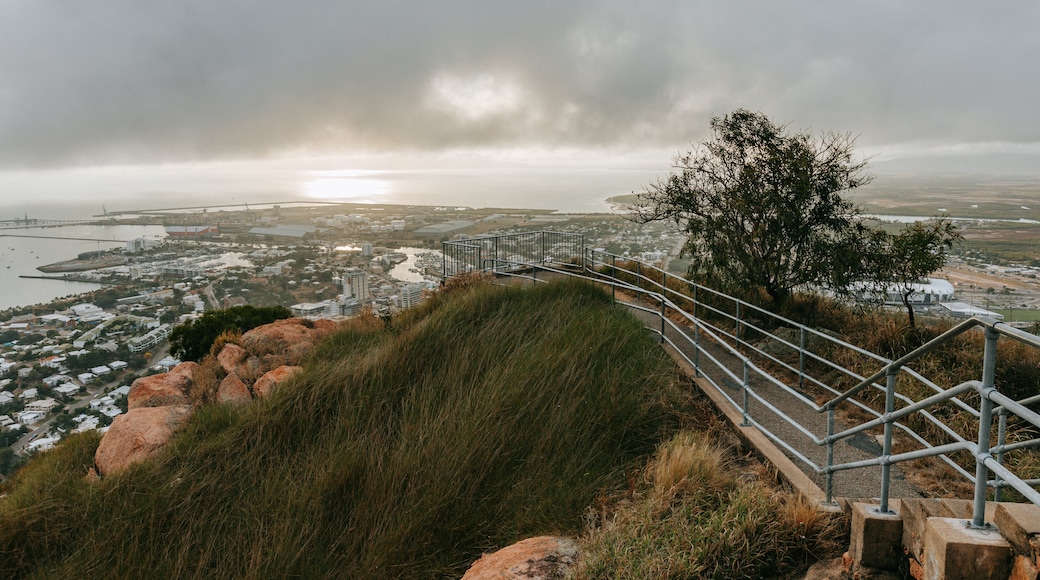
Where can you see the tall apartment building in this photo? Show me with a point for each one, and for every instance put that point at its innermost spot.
(355, 284)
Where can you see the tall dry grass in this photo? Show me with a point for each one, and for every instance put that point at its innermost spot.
(483, 417)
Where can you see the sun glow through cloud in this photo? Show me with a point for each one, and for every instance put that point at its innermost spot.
(347, 186)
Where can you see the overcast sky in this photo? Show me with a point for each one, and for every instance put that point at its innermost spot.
(143, 81)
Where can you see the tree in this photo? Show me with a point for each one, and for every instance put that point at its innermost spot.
(193, 339)
(914, 253)
(763, 208)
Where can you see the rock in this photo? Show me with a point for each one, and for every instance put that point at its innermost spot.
(233, 390)
(231, 356)
(266, 384)
(293, 337)
(541, 558)
(188, 369)
(159, 390)
(136, 435)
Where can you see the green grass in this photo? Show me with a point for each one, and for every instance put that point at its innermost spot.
(486, 416)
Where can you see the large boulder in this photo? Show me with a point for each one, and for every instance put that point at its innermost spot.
(293, 337)
(159, 390)
(539, 558)
(233, 390)
(136, 435)
(266, 384)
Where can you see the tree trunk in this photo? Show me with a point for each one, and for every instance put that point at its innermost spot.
(909, 308)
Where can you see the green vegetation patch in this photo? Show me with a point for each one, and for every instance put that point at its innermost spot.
(483, 417)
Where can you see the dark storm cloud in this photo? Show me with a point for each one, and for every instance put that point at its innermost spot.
(133, 80)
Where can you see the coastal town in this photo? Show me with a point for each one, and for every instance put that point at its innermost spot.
(67, 366)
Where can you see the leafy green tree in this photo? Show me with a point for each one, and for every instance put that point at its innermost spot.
(193, 339)
(763, 208)
(915, 252)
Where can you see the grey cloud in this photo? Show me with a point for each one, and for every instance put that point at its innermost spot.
(125, 80)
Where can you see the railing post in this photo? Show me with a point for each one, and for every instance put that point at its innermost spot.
(663, 313)
(747, 412)
(801, 360)
(736, 331)
(830, 455)
(696, 336)
(1001, 438)
(613, 275)
(886, 467)
(989, 366)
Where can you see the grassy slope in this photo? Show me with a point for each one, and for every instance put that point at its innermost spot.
(486, 416)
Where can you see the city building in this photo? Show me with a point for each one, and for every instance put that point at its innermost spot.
(355, 284)
(411, 295)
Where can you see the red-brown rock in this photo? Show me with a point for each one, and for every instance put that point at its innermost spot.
(189, 369)
(233, 390)
(159, 390)
(136, 435)
(291, 336)
(541, 558)
(267, 383)
(231, 356)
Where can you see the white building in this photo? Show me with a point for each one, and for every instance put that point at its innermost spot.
(86, 378)
(411, 295)
(101, 370)
(28, 394)
(965, 310)
(310, 310)
(55, 380)
(42, 406)
(355, 284)
(934, 291)
(68, 389)
(86, 310)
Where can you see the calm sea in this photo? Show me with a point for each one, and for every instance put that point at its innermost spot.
(20, 255)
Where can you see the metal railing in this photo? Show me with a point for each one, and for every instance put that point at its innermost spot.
(768, 352)
(539, 247)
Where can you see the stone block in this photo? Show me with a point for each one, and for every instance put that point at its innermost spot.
(953, 551)
(875, 537)
(1017, 522)
(915, 515)
(955, 508)
(1023, 569)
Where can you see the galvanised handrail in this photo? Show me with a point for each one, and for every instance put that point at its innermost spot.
(596, 267)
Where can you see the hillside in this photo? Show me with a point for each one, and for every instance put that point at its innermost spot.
(486, 416)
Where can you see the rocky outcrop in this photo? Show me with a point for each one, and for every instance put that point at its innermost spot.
(540, 558)
(266, 384)
(159, 390)
(159, 404)
(292, 336)
(136, 435)
(233, 390)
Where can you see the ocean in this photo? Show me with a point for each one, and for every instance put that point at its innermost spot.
(21, 255)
